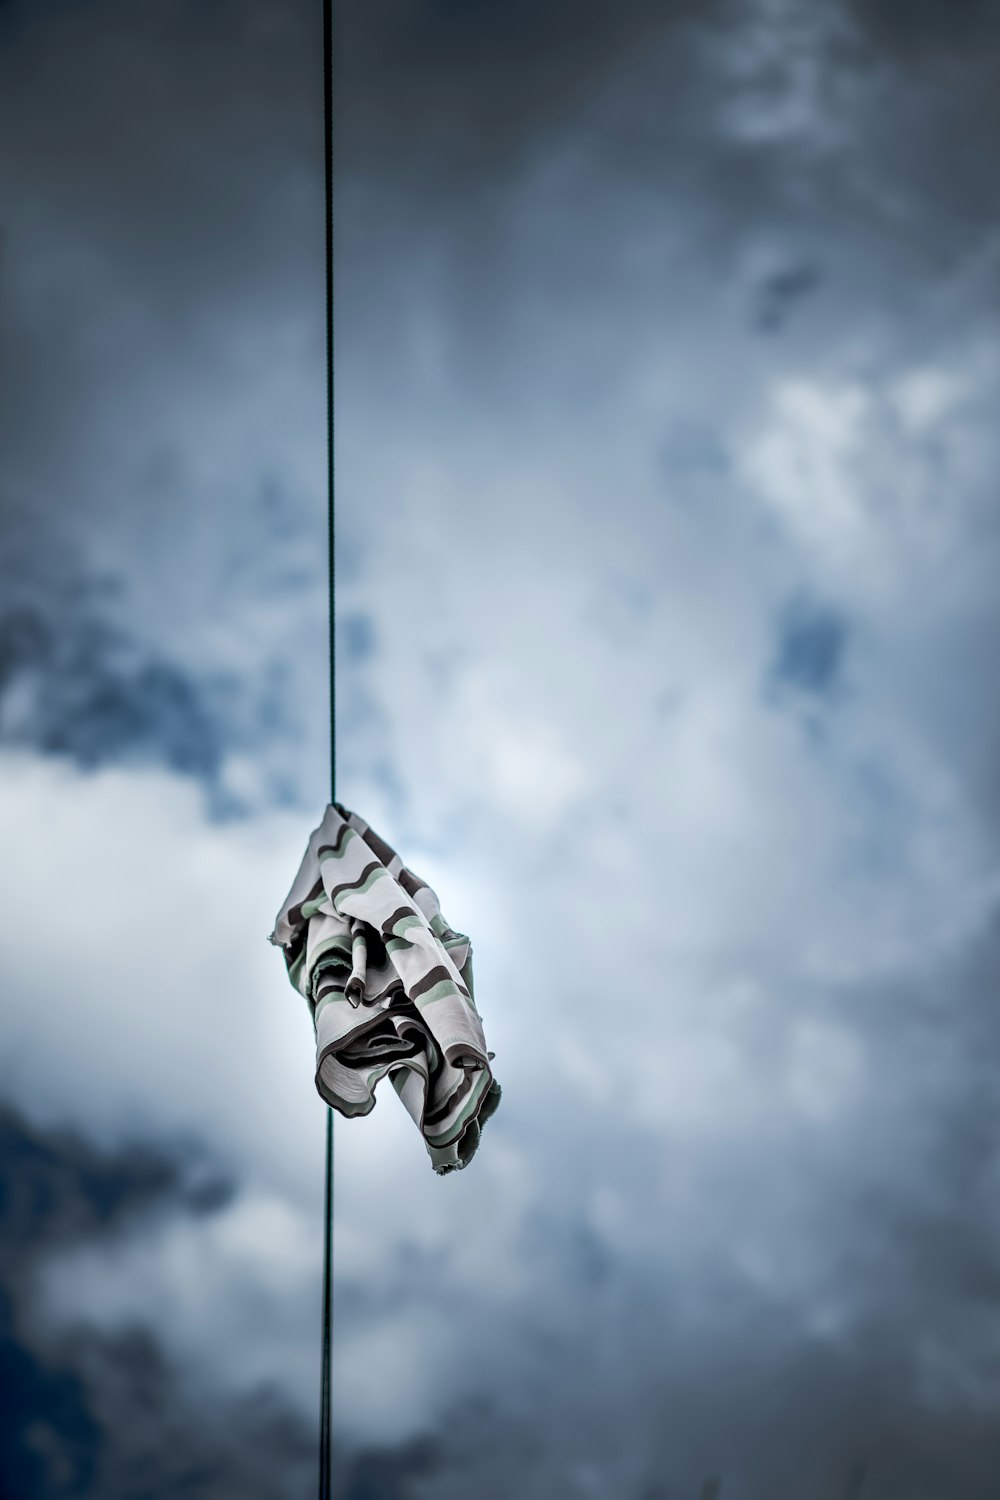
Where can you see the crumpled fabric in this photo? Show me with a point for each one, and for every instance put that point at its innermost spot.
(389, 986)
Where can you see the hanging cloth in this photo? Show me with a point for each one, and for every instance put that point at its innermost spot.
(389, 986)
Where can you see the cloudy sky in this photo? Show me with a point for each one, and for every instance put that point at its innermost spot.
(667, 546)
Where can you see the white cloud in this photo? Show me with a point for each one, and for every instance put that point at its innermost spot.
(230, 1296)
(878, 479)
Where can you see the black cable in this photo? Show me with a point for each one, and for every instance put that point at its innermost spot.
(326, 1382)
(328, 153)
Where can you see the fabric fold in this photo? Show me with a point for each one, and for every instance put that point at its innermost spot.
(355, 987)
(389, 986)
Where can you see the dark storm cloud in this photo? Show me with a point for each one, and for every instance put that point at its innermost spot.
(910, 27)
(468, 89)
(83, 1414)
(780, 293)
(103, 1417)
(58, 1190)
(902, 1377)
(77, 689)
(810, 648)
(396, 1473)
(161, 169)
(158, 174)
(88, 1414)
(862, 120)
(75, 684)
(124, 131)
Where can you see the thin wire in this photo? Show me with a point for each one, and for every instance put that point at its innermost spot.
(326, 1389)
(328, 154)
(326, 1382)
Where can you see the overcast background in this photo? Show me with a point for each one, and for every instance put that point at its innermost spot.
(668, 622)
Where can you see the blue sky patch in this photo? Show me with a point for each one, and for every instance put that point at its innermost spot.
(809, 651)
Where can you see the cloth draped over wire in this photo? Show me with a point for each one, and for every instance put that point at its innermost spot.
(389, 986)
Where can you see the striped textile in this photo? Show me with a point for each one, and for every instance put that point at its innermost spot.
(389, 986)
